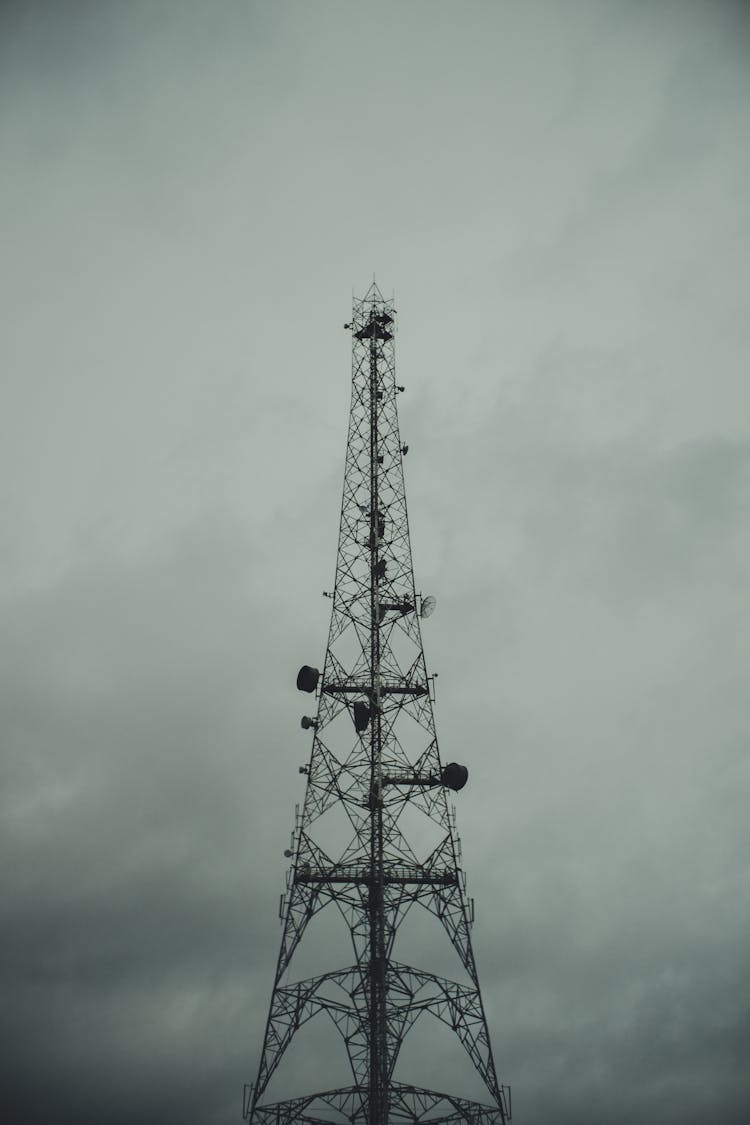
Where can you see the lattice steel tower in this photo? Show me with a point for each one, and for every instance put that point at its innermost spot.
(375, 758)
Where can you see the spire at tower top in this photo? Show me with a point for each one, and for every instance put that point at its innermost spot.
(373, 294)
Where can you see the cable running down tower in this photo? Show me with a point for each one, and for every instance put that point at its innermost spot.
(375, 759)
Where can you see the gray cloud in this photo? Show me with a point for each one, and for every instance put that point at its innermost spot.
(558, 197)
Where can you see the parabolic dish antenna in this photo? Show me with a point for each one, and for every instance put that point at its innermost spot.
(428, 606)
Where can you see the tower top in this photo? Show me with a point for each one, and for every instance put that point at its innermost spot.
(373, 295)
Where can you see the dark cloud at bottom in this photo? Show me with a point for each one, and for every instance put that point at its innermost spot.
(132, 907)
(149, 756)
(139, 930)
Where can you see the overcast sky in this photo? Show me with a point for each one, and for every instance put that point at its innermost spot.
(557, 194)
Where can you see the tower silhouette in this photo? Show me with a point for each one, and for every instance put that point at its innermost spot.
(375, 772)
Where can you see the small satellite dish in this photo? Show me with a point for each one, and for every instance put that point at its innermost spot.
(307, 678)
(361, 716)
(288, 853)
(454, 776)
(427, 607)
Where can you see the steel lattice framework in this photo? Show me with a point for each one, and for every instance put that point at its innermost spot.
(375, 755)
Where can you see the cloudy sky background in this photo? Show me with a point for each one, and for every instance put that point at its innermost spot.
(557, 195)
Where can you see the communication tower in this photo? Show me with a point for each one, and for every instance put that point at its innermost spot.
(374, 758)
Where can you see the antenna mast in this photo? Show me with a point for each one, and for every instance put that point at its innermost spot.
(375, 756)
